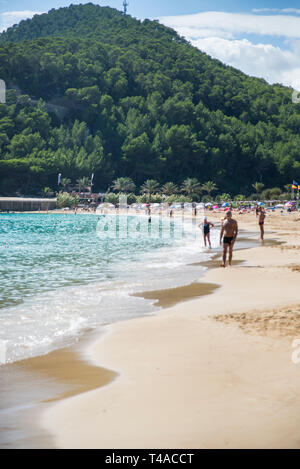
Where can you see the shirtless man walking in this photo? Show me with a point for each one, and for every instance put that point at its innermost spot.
(230, 231)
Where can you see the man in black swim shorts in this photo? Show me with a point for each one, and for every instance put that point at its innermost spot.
(230, 231)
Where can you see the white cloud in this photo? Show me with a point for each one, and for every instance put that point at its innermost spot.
(237, 23)
(266, 10)
(276, 10)
(9, 18)
(216, 34)
(261, 60)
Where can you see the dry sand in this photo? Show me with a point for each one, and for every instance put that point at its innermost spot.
(212, 372)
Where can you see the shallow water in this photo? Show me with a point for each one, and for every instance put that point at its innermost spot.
(64, 274)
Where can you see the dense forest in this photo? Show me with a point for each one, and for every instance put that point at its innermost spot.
(91, 90)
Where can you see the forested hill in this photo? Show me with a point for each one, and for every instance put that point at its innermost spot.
(138, 101)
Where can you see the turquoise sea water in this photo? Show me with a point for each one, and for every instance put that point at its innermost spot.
(60, 275)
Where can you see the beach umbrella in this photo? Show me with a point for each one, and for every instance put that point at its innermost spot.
(107, 205)
(225, 205)
(261, 204)
(215, 206)
(288, 204)
(279, 206)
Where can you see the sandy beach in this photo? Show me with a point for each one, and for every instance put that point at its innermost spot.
(217, 370)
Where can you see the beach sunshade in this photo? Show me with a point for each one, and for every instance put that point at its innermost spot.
(261, 204)
(226, 204)
(215, 206)
(279, 206)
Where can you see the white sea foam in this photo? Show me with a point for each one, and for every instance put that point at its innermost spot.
(46, 320)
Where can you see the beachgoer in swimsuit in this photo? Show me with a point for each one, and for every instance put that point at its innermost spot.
(261, 222)
(230, 231)
(206, 231)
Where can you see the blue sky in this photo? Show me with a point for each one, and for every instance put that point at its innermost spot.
(261, 38)
(154, 8)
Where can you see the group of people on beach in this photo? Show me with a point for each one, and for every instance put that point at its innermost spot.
(229, 233)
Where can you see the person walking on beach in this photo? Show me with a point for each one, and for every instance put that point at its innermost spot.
(229, 230)
(261, 222)
(206, 231)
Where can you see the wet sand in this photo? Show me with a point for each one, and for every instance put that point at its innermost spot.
(29, 386)
(248, 384)
(67, 372)
(212, 372)
(172, 296)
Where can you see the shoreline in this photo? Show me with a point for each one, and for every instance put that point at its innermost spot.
(41, 369)
(232, 386)
(50, 422)
(59, 370)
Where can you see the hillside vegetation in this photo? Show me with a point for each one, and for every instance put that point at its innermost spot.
(141, 102)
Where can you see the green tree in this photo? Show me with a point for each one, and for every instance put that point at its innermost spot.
(66, 200)
(240, 198)
(209, 187)
(83, 183)
(149, 187)
(107, 94)
(225, 197)
(124, 185)
(47, 192)
(288, 188)
(169, 188)
(258, 187)
(65, 182)
(191, 187)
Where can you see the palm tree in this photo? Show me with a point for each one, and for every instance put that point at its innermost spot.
(83, 183)
(169, 188)
(191, 187)
(124, 184)
(258, 186)
(65, 182)
(149, 187)
(209, 187)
